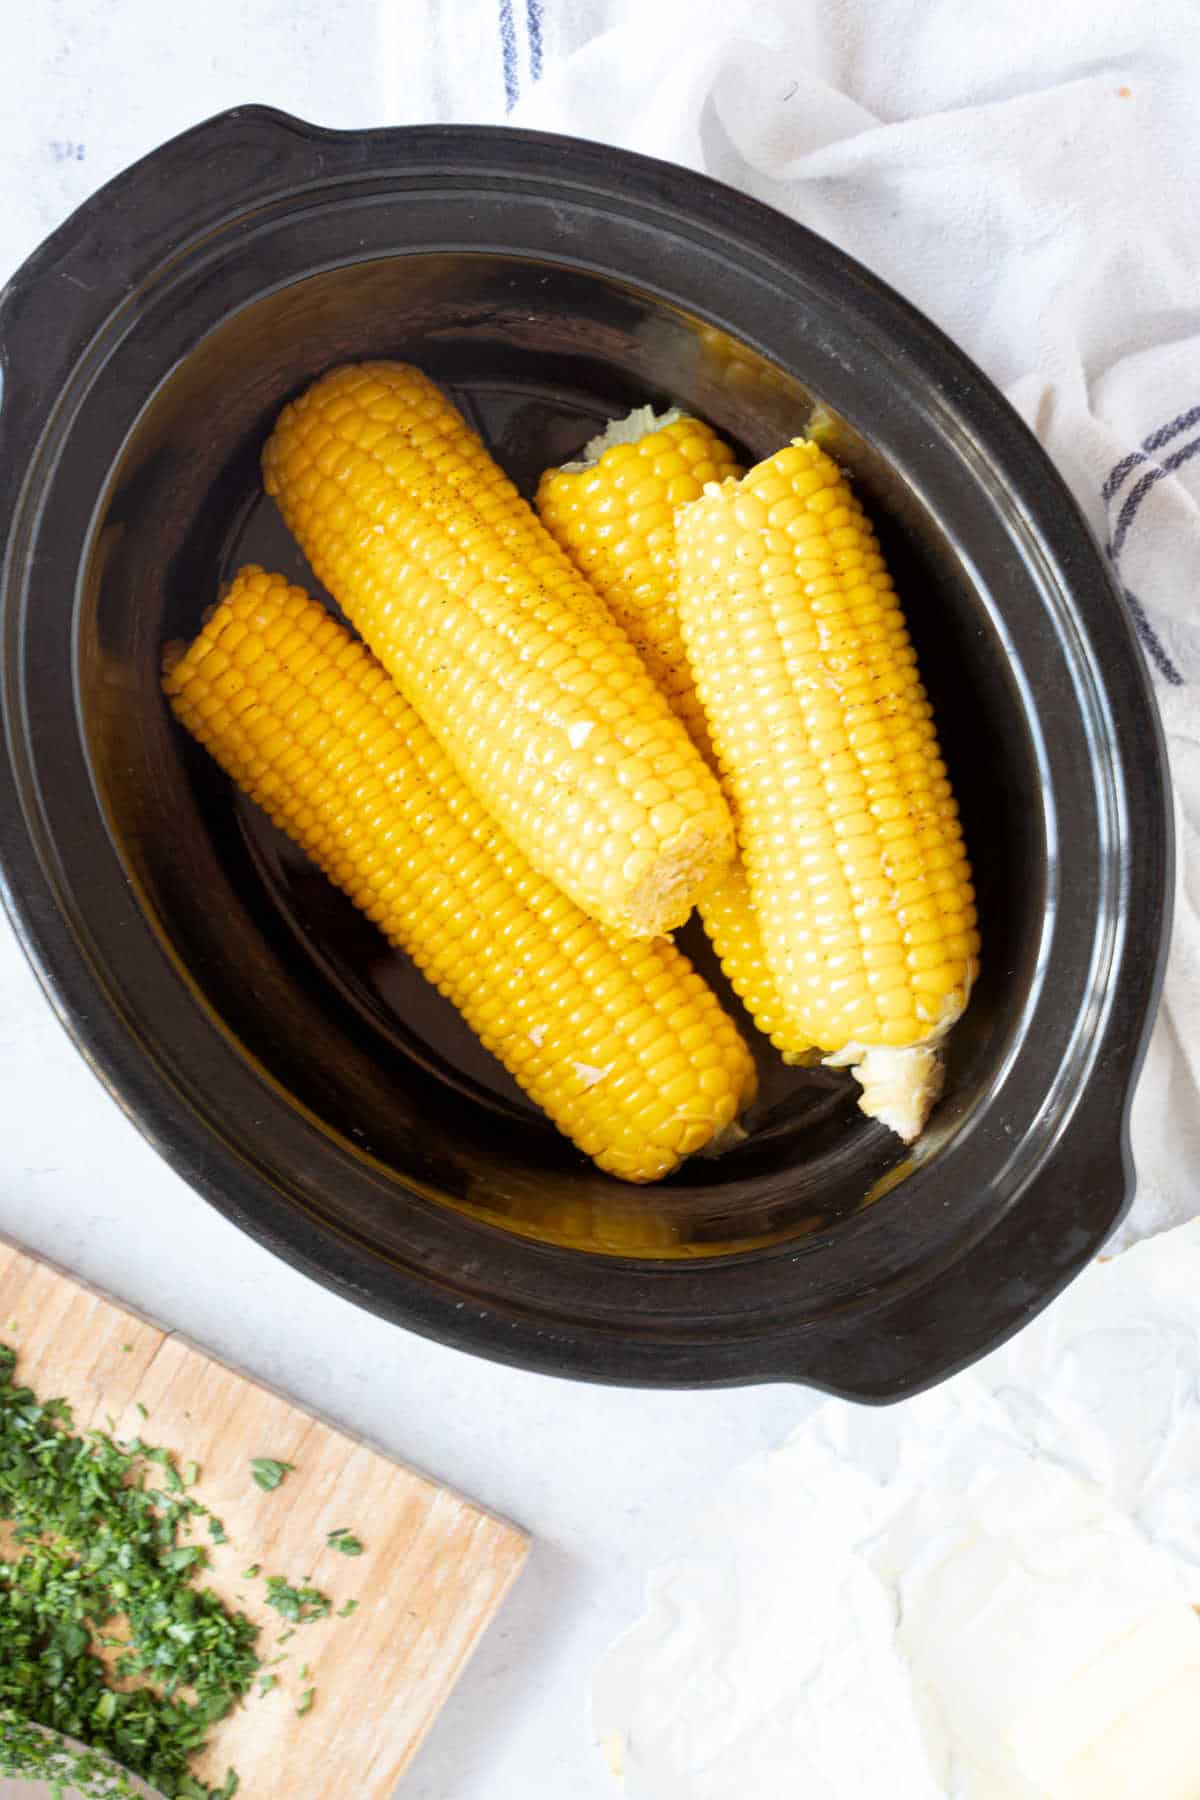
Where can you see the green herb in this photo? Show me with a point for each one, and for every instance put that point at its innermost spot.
(285, 1635)
(344, 1612)
(125, 1349)
(97, 1545)
(343, 1541)
(142, 1410)
(216, 1530)
(166, 1462)
(268, 1473)
(304, 1671)
(251, 1572)
(188, 1556)
(306, 1700)
(299, 1604)
(191, 1474)
(267, 1682)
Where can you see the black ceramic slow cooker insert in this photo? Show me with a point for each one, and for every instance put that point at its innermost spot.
(261, 1033)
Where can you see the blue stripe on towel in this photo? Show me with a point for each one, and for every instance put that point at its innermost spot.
(533, 13)
(508, 54)
(1128, 512)
(1165, 433)
(1151, 641)
(1156, 440)
(1183, 421)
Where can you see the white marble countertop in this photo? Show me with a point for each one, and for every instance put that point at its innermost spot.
(602, 1478)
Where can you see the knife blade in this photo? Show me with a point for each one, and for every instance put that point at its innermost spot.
(44, 1772)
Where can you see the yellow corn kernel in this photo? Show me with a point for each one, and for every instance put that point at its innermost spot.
(512, 660)
(594, 1028)
(423, 417)
(847, 825)
(613, 512)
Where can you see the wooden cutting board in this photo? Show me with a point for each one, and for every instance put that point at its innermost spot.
(434, 1571)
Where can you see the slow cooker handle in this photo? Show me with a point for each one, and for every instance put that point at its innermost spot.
(87, 271)
(1075, 1201)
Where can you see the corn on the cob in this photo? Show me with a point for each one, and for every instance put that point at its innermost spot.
(620, 1042)
(847, 825)
(613, 512)
(512, 660)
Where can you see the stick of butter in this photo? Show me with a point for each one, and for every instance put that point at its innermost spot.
(1054, 1654)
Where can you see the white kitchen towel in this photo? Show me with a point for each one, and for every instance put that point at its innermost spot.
(1027, 176)
(985, 1592)
(1024, 174)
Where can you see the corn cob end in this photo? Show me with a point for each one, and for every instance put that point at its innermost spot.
(641, 423)
(899, 1087)
(662, 900)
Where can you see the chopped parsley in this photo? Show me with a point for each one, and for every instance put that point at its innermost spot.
(104, 1565)
(342, 1540)
(300, 1605)
(101, 1562)
(268, 1473)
